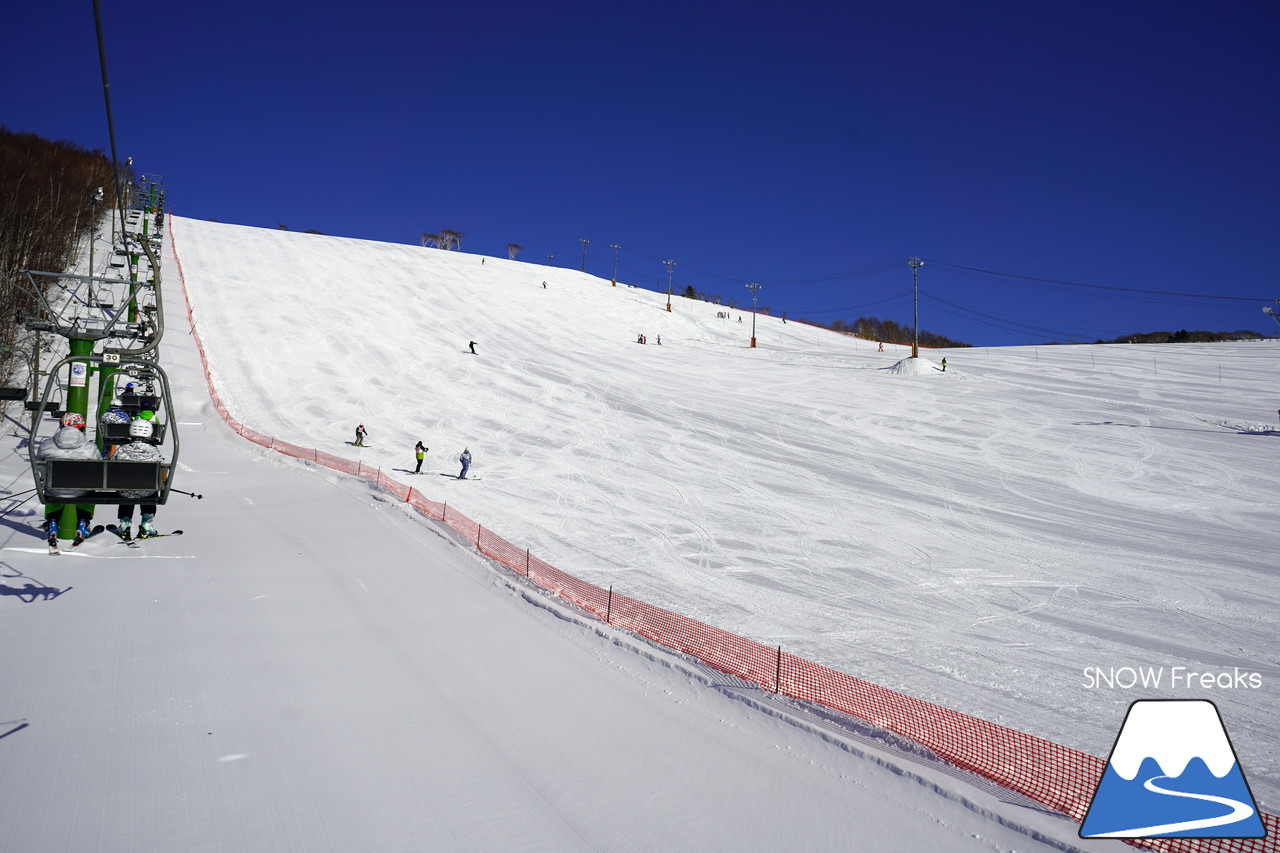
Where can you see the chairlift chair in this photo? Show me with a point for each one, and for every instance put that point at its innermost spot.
(102, 481)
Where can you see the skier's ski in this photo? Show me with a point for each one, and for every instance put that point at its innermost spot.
(77, 542)
(54, 550)
(123, 538)
(158, 535)
(136, 542)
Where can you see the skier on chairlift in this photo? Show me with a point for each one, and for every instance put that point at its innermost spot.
(69, 442)
(139, 449)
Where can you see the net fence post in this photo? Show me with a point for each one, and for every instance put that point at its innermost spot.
(608, 608)
(777, 675)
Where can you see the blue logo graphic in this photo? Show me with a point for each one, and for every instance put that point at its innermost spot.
(1172, 774)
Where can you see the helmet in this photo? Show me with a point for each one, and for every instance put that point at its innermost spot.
(141, 429)
(73, 419)
(147, 415)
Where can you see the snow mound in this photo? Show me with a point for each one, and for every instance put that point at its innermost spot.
(913, 367)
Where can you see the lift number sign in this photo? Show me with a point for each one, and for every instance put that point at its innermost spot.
(111, 358)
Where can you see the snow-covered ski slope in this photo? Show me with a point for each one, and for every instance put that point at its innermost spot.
(982, 538)
(313, 667)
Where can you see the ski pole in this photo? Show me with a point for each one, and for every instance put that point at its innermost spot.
(191, 494)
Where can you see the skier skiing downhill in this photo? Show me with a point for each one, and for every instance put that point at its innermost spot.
(465, 459)
(139, 449)
(419, 451)
(360, 434)
(69, 442)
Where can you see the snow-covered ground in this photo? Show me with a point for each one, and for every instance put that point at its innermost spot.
(312, 667)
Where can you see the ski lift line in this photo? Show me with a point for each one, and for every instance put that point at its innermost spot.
(972, 314)
(876, 268)
(931, 299)
(1010, 325)
(1185, 299)
(1019, 330)
(896, 300)
(1093, 286)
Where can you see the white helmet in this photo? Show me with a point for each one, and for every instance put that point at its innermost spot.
(141, 429)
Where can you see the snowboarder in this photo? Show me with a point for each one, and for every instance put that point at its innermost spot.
(139, 449)
(944, 365)
(361, 432)
(419, 451)
(881, 348)
(69, 442)
(473, 347)
(465, 459)
(659, 340)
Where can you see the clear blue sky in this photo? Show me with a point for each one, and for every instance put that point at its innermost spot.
(1117, 144)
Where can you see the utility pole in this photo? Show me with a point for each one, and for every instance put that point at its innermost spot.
(615, 248)
(916, 263)
(670, 271)
(585, 241)
(94, 201)
(754, 287)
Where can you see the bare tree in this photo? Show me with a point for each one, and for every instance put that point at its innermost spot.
(512, 250)
(450, 239)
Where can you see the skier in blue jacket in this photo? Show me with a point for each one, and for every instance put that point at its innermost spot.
(465, 459)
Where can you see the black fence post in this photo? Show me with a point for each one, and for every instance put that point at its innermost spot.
(608, 609)
(777, 676)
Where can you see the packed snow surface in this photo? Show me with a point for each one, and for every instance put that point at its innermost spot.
(979, 538)
(313, 667)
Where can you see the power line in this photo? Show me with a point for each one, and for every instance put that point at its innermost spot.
(1098, 286)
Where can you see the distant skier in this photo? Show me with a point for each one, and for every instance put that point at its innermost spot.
(419, 451)
(361, 432)
(881, 348)
(944, 365)
(473, 347)
(659, 340)
(465, 459)
(139, 449)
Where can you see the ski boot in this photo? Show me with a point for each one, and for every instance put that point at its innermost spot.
(82, 533)
(51, 531)
(146, 529)
(122, 529)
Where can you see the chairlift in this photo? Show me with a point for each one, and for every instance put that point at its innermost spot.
(102, 481)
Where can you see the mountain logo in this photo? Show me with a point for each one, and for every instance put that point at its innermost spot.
(1172, 774)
